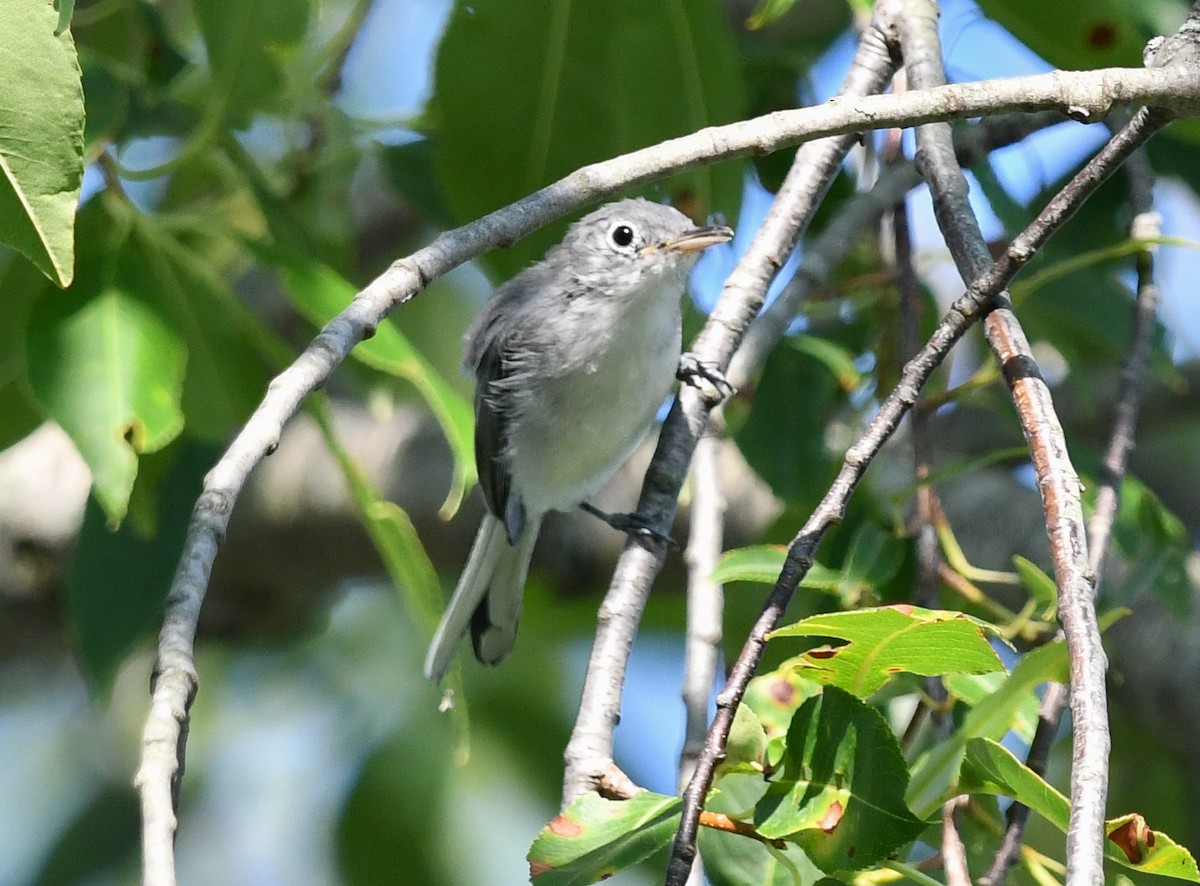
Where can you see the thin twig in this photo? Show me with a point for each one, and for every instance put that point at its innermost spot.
(705, 604)
(954, 854)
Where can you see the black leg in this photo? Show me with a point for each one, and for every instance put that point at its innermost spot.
(630, 524)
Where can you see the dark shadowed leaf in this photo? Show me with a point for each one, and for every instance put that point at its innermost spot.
(570, 84)
(840, 793)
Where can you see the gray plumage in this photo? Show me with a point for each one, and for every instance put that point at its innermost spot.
(572, 359)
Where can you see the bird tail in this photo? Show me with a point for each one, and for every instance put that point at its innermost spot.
(487, 600)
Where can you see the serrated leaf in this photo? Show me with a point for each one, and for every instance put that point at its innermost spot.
(888, 640)
(840, 792)
(762, 563)
(1041, 587)
(569, 84)
(41, 137)
(104, 363)
(990, 768)
(595, 837)
(319, 293)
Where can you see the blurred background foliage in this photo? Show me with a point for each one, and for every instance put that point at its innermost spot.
(248, 165)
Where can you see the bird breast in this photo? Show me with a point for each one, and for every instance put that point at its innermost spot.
(581, 424)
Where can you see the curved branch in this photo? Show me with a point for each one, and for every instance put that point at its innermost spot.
(1083, 94)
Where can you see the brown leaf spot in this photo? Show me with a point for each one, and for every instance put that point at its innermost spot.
(1132, 836)
(902, 608)
(565, 827)
(1102, 35)
(832, 817)
(537, 868)
(782, 692)
(821, 653)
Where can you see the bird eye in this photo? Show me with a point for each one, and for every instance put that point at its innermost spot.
(622, 235)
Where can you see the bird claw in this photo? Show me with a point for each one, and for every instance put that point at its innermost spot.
(631, 524)
(704, 375)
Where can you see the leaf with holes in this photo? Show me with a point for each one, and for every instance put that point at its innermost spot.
(888, 640)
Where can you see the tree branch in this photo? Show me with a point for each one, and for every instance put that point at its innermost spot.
(1083, 94)
(1057, 480)
(1146, 225)
(969, 308)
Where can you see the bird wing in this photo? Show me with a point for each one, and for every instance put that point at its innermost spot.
(489, 353)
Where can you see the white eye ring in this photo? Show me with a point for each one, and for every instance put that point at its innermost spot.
(622, 237)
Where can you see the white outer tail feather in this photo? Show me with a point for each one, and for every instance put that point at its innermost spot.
(496, 571)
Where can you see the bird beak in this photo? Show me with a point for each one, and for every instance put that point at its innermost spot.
(693, 241)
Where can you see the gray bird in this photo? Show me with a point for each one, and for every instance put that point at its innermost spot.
(572, 359)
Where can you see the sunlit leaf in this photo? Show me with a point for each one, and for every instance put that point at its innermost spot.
(762, 563)
(880, 643)
(596, 837)
(41, 137)
(990, 768)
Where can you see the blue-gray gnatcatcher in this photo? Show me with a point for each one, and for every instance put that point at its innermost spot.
(572, 359)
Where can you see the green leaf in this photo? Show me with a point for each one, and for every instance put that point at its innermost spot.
(105, 364)
(320, 292)
(840, 794)
(762, 563)
(768, 11)
(119, 579)
(880, 643)
(1041, 587)
(786, 447)
(246, 42)
(732, 859)
(226, 369)
(874, 558)
(973, 689)
(746, 746)
(935, 770)
(1097, 34)
(836, 359)
(549, 87)
(990, 768)
(409, 763)
(41, 137)
(1152, 546)
(596, 837)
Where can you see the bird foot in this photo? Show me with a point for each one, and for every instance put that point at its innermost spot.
(631, 524)
(704, 375)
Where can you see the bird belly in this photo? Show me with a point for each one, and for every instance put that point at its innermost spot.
(587, 420)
